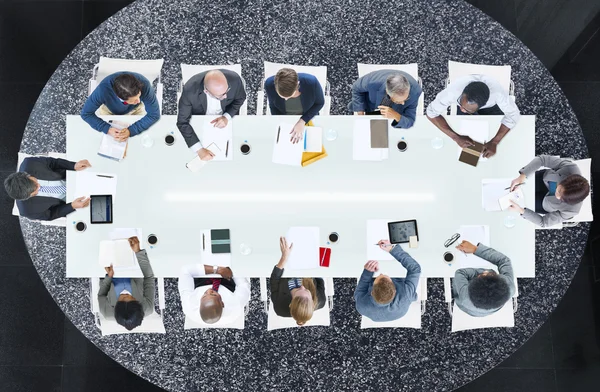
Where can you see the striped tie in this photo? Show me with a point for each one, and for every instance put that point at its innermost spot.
(54, 190)
(216, 283)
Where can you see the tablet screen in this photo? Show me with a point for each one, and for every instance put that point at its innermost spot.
(400, 232)
(101, 209)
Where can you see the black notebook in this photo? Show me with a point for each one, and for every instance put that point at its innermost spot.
(220, 241)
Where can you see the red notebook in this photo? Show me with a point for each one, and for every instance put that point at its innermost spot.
(324, 256)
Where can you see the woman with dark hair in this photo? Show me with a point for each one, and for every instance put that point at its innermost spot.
(559, 190)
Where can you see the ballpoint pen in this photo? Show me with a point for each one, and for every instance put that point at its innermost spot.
(100, 175)
(203, 242)
(227, 149)
(515, 185)
(278, 130)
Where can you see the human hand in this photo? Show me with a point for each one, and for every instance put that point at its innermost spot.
(372, 266)
(516, 182)
(385, 245)
(83, 164)
(123, 135)
(388, 112)
(297, 132)
(489, 149)
(463, 141)
(134, 242)
(466, 247)
(109, 271)
(220, 122)
(225, 272)
(113, 132)
(80, 202)
(514, 206)
(205, 155)
(285, 249)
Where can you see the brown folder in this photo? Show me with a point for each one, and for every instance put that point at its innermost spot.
(470, 155)
(379, 134)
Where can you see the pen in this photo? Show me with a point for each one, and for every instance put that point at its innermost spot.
(304, 138)
(100, 175)
(202, 241)
(515, 185)
(278, 130)
(227, 149)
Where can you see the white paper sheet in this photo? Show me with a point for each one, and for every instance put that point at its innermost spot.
(91, 183)
(111, 148)
(361, 143)
(305, 253)
(516, 195)
(474, 234)
(477, 130)
(284, 151)
(116, 252)
(492, 189)
(125, 233)
(314, 139)
(206, 255)
(377, 230)
(220, 137)
(196, 164)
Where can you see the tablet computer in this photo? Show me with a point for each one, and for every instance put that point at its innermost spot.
(401, 231)
(101, 209)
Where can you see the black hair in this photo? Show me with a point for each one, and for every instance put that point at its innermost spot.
(489, 291)
(575, 189)
(129, 314)
(477, 93)
(127, 86)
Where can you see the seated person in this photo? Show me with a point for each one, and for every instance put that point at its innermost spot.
(393, 94)
(559, 190)
(295, 297)
(480, 292)
(118, 94)
(128, 300)
(216, 92)
(40, 188)
(291, 93)
(385, 298)
(475, 94)
(212, 300)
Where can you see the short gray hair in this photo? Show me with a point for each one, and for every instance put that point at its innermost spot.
(19, 186)
(397, 84)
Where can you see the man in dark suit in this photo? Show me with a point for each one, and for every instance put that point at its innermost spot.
(215, 92)
(40, 188)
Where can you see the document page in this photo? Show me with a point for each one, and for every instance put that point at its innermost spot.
(474, 234)
(491, 192)
(116, 252)
(305, 253)
(111, 148)
(361, 143)
(90, 183)
(377, 229)
(222, 138)
(284, 151)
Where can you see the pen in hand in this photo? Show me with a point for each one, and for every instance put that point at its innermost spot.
(515, 185)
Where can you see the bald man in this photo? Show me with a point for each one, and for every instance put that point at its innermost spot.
(218, 300)
(216, 92)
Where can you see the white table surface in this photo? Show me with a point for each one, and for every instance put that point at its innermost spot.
(259, 200)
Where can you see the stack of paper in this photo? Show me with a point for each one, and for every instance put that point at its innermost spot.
(313, 139)
(195, 164)
(219, 141)
(361, 143)
(117, 253)
(475, 235)
(377, 230)
(284, 151)
(89, 183)
(305, 253)
(478, 130)
(516, 195)
(111, 148)
(495, 195)
(206, 255)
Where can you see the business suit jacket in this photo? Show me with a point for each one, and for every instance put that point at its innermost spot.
(558, 210)
(464, 276)
(311, 96)
(369, 91)
(193, 101)
(142, 289)
(281, 297)
(42, 207)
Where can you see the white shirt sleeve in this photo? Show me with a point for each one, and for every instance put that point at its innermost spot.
(509, 108)
(227, 116)
(196, 147)
(186, 283)
(445, 98)
(242, 290)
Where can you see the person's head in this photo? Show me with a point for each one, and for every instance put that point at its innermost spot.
(21, 186)
(573, 189)
(128, 312)
(215, 83)
(128, 88)
(286, 82)
(304, 301)
(473, 97)
(384, 290)
(211, 306)
(397, 87)
(488, 291)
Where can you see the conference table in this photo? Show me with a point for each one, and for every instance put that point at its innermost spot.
(258, 200)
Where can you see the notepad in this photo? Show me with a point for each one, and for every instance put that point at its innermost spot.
(206, 254)
(379, 133)
(111, 148)
(361, 143)
(220, 241)
(470, 155)
(491, 191)
(195, 164)
(377, 230)
(313, 138)
(475, 234)
(516, 195)
(284, 151)
(116, 252)
(218, 140)
(305, 252)
(477, 130)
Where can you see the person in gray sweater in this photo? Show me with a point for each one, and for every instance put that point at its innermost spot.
(385, 298)
(480, 292)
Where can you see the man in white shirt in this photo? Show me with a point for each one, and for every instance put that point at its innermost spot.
(212, 300)
(475, 94)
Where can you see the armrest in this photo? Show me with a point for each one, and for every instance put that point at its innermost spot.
(447, 290)
(260, 102)
(161, 293)
(263, 292)
(516, 288)
(94, 287)
(91, 86)
(423, 289)
(329, 289)
(159, 96)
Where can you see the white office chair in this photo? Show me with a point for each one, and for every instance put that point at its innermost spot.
(499, 72)
(320, 316)
(151, 69)
(189, 70)
(61, 222)
(503, 318)
(320, 72)
(411, 69)
(412, 319)
(152, 323)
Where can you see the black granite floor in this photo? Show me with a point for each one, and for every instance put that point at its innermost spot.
(41, 351)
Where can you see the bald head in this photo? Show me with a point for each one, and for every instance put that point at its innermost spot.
(215, 82)
(211, 307)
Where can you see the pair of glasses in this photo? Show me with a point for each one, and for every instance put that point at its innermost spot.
(452, 240)
(465, 109)
(219, 97)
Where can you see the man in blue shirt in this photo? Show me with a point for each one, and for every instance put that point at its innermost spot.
(393, 94)
(118, 94)
(385, 298)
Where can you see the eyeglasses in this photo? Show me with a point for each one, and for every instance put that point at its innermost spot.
(452, 240)
(219, 97)
(466, 111)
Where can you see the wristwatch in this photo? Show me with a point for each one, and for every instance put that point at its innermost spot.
(215, 268)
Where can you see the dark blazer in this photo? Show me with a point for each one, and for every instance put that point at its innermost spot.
(41, 207)
(282, 297)
(369, 91)
(311, 96)
(193, 101)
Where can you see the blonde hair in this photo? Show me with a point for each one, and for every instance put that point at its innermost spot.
(302, 308)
